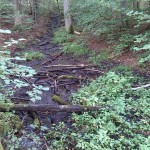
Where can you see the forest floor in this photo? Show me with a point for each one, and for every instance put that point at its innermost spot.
(62, 73)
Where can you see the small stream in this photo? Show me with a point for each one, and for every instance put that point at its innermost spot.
(32, 136)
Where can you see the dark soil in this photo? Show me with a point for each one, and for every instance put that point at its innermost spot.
(56, 78)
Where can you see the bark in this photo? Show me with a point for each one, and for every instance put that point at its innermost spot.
(122, 15)
(30, 3)
(50, 108)
(34, 9)
(59, 13)
(136, 5)
(17, 14)
(68, 20)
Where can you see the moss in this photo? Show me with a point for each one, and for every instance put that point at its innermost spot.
(65, 76)
(36, 120)
(33, 55)
(58, 100)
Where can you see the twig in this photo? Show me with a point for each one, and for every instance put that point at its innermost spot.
(19, 98)
(93, 70)
(140, 87)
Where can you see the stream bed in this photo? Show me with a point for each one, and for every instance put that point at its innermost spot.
(62, 82)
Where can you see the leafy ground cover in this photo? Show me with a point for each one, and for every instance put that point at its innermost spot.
(124, 126)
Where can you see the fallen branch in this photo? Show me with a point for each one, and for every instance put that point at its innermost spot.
(20, 99)
(61, 65)
(50, 108)
(44, 43)
(140, 87)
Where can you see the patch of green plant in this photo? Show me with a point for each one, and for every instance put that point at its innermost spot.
(122, 69)
(141, 43)
(29, 55)
(19, 28)
(8, 68)
(58, 136)
(11, 79)
(6, 11)
(61, 36)
(122, 125)
(125, 42)
(71, 43)
(9, 122)
(96, 58)
(10, 125)
(75, 48)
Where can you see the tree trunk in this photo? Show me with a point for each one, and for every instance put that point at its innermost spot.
(59, 13)
(68, 20)
(123, 16)
(17, 14)
(34, 9)
(51, 108)
(136, 5)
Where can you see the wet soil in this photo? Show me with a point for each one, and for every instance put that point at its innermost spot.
(60, 80)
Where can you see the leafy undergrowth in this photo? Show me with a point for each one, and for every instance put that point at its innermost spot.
(71, 43)
(124, 126)
(120, 47)
(12, 78)
(29, 55)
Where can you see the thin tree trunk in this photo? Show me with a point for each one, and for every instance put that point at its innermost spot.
(30, 3)
(68, 20)
(59, 13)
(34, 9)
(123, 17)
(136, 5)
(17, 14)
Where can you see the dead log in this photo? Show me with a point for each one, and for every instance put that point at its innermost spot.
(51, 108)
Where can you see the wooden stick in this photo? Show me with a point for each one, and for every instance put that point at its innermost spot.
(5, 107)
(140, 87)
(61, 65)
